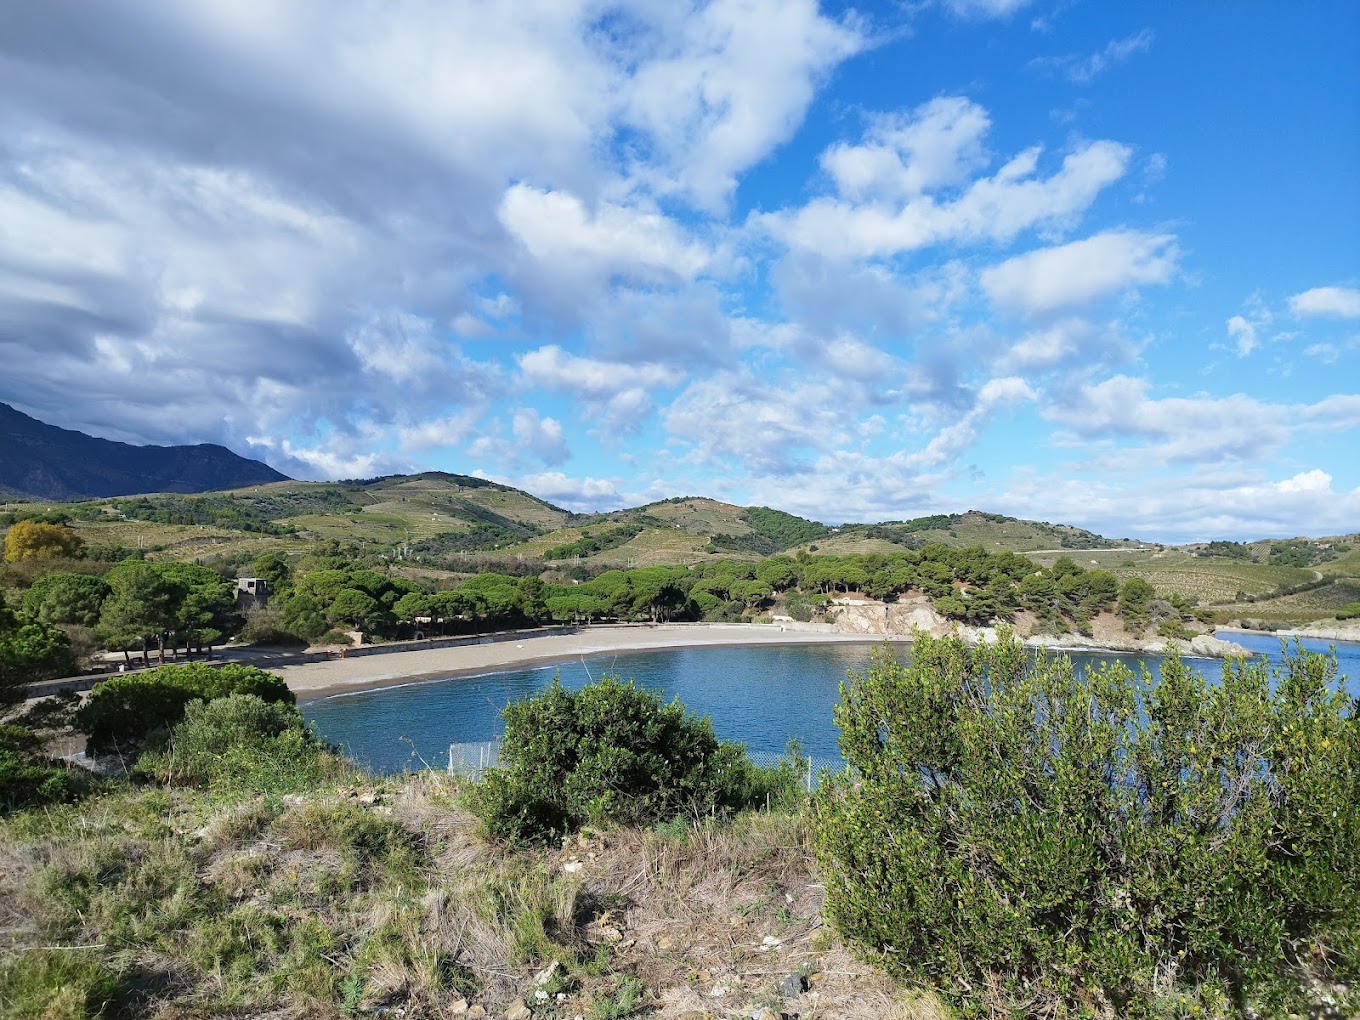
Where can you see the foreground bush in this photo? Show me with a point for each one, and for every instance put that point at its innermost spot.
(28, 778)
(1040, 841)
(608, 753)
(240, 742)
(124, 710)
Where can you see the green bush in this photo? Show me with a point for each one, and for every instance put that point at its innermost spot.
(610, 752)
(123, 711)
(57, 984)
(240, 741)
(26, 781)
(1035, 839)
(1348, 612)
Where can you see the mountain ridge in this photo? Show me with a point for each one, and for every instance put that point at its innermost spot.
(42, 461)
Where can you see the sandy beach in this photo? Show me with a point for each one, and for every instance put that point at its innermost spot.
(379, 669)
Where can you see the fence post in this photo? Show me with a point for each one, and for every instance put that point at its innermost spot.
(809, 775)
(450, 759)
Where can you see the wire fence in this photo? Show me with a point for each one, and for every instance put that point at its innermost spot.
(473, 759)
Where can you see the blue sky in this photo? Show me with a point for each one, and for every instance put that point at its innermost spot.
(1072, 261)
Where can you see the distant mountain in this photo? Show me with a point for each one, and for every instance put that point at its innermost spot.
(41, 461)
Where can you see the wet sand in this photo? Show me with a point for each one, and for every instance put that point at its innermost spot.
(311, 680)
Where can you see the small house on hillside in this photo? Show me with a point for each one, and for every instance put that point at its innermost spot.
(251, 593)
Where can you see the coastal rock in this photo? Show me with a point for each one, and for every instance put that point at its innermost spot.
(1212, 647)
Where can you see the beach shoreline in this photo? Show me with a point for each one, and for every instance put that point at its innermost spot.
(313, 681)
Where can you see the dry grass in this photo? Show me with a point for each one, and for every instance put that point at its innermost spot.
(385, 897)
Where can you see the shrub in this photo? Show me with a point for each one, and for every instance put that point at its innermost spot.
(610, 752)
(240, 741)
(265, 625)
(1089, 843)
(27, 780)
(125, 710)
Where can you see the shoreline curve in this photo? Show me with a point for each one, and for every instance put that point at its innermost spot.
(313, 681)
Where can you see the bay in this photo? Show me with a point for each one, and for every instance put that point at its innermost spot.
(763, 696)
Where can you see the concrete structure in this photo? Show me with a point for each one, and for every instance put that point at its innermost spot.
(251, 593)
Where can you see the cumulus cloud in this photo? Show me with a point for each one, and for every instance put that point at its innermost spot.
(220, 219)
(1197, 507)
(952, 441)
(619, 393)
(1073, 344)
(582, 495)
(1081, 272)
(1193, 429)
(720, 89)
(543, 437)
(936, 145)
(556, 228)
(996, 208)
(1342, 302)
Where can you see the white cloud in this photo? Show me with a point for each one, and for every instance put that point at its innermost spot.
(725, 84)
(769, 426)
(995, 208)
(1081, 272)
(1070, 344)
(583, 495)
(543, 437)
(1082, 70)
(1194, 507)
(1243, 333)
(953, 440)
(938, 144)
(985, 8)
(556, 228)
(1200, 429)
(1343, 302)
(555, 369)
(617, 391)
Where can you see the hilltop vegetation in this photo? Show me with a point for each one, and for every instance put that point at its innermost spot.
(438, 553)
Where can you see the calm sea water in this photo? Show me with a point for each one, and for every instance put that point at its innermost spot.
(763, 696)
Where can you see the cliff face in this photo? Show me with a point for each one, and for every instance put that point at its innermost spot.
(41, 461)
(917, 614)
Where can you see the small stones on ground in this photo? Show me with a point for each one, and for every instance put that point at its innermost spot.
(793, 985)
(517, 1010)
(572, 867)
(458, 1008)
(546, 974)
(718, 992)
(476, 1012)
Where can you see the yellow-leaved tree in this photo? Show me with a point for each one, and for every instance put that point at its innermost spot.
(33, 540)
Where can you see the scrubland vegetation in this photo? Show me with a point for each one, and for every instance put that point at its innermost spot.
(1010, 839)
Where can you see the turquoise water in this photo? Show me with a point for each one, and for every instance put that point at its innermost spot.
(761, 695)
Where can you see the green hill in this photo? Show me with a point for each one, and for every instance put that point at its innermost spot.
(436, 523)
